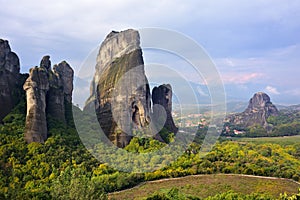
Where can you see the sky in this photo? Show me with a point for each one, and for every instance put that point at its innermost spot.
(255, 45)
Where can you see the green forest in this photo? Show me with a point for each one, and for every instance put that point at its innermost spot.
(62, 168)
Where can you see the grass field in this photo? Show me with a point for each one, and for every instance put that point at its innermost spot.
(210, 185)
(287, 140)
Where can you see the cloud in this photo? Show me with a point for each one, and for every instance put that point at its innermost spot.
(272, 90)
(241, 63)
(87, 20)
(91, 20)
(278, 66)
(71, 29)
(294, 92)
(201, 92)
(257, 41)
(241, 78)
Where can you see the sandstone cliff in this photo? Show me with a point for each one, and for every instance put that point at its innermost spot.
(47, 92)
(10, 78)
(120, 92)
(259, 109)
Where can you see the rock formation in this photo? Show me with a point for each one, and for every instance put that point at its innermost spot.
(66, 74)
(120, 93)
(162, 95)
(259, 109)
(36, 87)
(9, 79)
(47, 91)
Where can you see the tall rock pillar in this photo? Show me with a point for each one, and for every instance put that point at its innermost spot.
(120, 93)
(36, 87)
(162, 96)
(9, 79)
(47, 92)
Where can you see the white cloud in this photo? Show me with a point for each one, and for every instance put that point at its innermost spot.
(92, 19)
(255, 41)
(278, 66)
(241, 78)
(87, 20)
(201, 92)
(294, 92)
(272, 90)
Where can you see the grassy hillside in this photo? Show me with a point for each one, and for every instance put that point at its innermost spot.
(209, 185)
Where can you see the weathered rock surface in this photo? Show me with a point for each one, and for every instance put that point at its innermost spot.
(66, 74)
(162, 95)
(120, 93)
(47, 92)
(9, 79)
(259, 109)
(36, 87)
(46, 63)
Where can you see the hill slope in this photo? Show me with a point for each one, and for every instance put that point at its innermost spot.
(208, 185)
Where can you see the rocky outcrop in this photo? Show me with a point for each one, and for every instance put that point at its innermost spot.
(36, 87)
(9, 79)
(47, 91)
(259, 109)
(120, 92)
(162, 95)
(9, 75)
(66, 75)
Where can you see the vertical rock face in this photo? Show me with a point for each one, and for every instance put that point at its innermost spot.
(66, 74)
(46, 94)
(55, 97)
(36, 87)
(9, 79)
(259, 109)
(162, 95)
(46, 63)
(120, 92)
